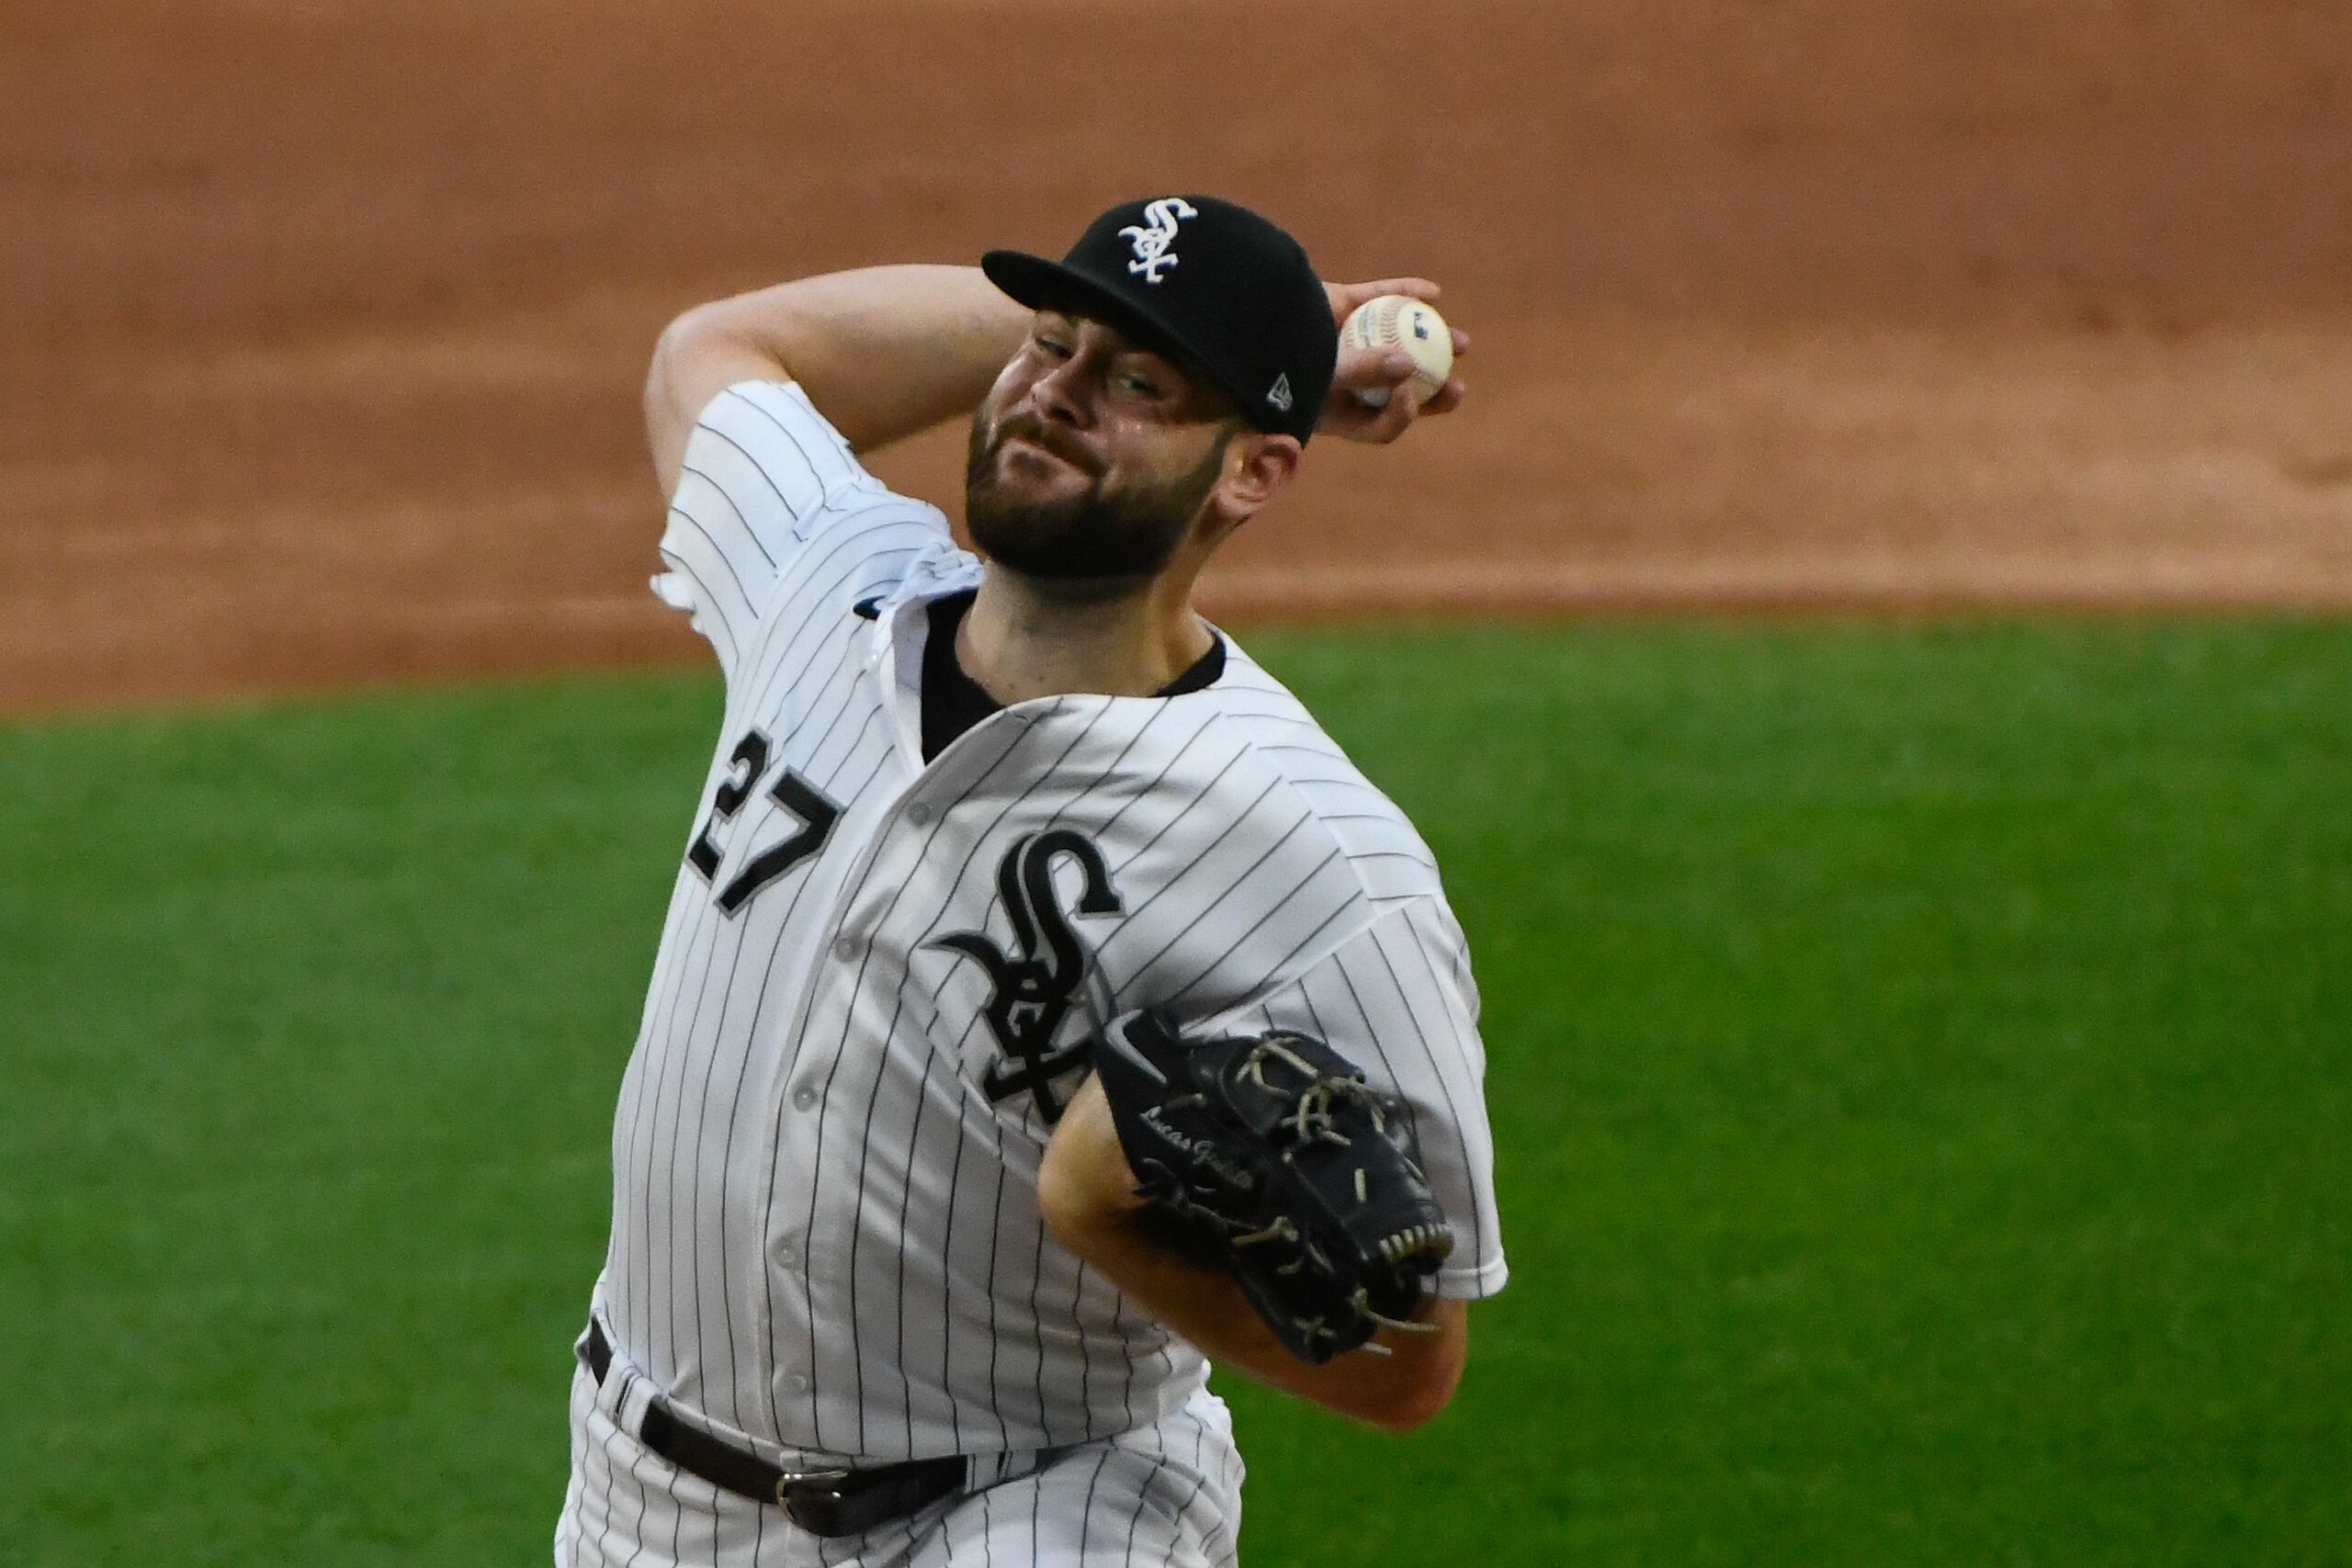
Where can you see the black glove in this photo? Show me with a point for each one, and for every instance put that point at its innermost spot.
(1275, 1159)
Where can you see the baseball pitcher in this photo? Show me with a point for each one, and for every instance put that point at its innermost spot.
(1045, 1007)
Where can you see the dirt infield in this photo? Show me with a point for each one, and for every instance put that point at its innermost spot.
(321, 325)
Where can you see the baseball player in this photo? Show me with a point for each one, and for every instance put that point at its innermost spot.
(880, 1290)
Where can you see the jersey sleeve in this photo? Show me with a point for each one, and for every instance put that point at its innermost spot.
(764, 475)
(1397, 999)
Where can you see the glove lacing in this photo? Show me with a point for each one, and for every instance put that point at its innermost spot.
(1312, 1123)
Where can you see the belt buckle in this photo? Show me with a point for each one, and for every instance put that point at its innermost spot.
(813, 1499)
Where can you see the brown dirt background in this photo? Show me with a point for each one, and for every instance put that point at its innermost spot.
(322, 323)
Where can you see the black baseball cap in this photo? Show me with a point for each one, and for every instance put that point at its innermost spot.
(1224, 289)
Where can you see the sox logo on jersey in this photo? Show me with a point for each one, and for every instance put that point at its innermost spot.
(1031, 992)
(875, 972)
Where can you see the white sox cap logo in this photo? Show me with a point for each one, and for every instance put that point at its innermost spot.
(1151, 244)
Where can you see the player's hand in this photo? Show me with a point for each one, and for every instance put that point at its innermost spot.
(1373, 369)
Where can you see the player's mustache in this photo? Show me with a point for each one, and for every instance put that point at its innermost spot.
(1032, 429)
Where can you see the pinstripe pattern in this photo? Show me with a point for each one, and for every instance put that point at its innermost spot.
(826, 1243)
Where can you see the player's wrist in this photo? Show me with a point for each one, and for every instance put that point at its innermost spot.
(1085, 1190)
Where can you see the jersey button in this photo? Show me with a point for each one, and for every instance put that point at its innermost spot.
(844, 948)
(805, 1097)
(918, 814)
(794, 1383)
(788, 1251)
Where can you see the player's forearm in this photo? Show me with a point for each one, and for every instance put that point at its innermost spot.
(1088, 1195)
(1397, 1392)
(882, 351)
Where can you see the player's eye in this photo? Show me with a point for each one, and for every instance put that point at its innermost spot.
(1051, 346)
(1136, 380)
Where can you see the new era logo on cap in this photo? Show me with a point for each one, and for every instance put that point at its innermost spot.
(1280, 395)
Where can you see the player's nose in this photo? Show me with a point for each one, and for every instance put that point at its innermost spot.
(1061, 395)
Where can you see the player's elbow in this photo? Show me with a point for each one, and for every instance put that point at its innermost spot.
(690, 339)
(667, 420)
(1404, 1422)
(1411, 1405)
(698, 355)
(1412, 1385)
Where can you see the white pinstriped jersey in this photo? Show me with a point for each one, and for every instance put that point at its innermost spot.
(826, 1242)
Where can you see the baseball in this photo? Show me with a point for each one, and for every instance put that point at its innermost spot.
(1399, 320)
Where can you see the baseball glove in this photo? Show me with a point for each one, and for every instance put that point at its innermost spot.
(1272, 1155)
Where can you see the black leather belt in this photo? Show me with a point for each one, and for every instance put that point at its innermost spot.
(824, 1502)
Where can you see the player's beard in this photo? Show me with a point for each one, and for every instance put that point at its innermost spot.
(1105, 533)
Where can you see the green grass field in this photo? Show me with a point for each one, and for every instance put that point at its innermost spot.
(1921, 1064)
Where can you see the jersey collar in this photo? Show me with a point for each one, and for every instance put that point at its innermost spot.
(903, 622)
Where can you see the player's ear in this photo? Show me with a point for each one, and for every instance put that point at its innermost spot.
(1257, 466)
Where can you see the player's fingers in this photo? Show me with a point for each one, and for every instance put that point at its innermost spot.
(1372, 369)
(1447, 399)
(1394, 420)
(1461, 341)
(1351, 295)
(1384, 364)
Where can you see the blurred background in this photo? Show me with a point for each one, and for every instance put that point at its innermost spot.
(1915, 943)
(322, 322)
